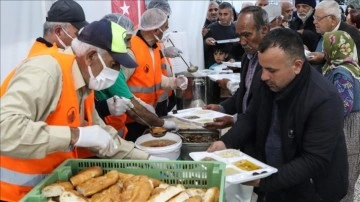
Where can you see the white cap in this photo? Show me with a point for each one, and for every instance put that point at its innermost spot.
(273, 11)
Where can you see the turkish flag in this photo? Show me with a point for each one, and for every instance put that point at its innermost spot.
(131, 8)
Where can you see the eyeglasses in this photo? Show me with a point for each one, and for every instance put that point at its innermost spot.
(317, 18)
(213, 9)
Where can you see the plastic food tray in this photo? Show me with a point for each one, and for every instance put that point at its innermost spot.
(232, 64)
(187, 173)
(197, 115)
(233, 173)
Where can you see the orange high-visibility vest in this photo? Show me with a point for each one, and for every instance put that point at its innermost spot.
(36, 48)
(19, 176)
(145, 82)
(118, 122)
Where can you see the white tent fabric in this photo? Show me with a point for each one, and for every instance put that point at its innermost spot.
(22, 21)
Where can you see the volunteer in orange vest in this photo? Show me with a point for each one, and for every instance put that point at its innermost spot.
(43, 107)
(167, 100)
(107, 104)
(147, 81)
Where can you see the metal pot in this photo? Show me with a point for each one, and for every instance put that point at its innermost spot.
(199, 92)
(196, 140)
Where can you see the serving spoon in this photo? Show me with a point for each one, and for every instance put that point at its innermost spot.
(190, 68)
(155, 131)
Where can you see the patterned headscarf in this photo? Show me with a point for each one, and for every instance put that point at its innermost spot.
(340, 50)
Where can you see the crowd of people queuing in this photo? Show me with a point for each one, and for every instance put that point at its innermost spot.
(330, 37)
(81, 89)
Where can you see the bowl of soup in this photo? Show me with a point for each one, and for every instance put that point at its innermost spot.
(167, 146)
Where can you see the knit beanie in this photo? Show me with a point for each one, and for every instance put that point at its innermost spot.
(311, 3)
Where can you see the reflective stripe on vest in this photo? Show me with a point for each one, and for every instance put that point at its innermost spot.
(145, 82)
(21, 174)
(19, 178)
(139, 89)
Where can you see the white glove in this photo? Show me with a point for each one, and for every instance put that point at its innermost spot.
(181, 82)
(154, 158)
(170, 125)
(97, 139)
(147, 106)
(118, 106)
(172, 52)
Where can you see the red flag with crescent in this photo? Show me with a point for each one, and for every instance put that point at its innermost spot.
(131, 8)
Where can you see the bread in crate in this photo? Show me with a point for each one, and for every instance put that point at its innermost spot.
(91, 185)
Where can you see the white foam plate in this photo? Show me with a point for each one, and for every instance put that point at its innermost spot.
(232, 64)
(197, 115)
(232, 77)
(235, 174)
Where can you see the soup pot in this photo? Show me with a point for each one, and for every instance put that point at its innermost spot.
(171, 152)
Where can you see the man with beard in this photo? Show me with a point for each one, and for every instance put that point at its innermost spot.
(295, 124)
(211, 16)
(286, 12)
(252, 25)
(302, 18)
(220, 30)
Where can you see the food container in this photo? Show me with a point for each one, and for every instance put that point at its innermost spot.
(187, 173)
(199, 92)
(159, 147)
(195, 140)
(240, 167)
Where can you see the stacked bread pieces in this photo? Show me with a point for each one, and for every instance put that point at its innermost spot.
(91, 185)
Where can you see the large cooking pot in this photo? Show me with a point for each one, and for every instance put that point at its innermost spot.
(199, 92)
(195, 140)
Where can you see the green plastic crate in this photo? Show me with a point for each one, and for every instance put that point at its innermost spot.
(188, 173)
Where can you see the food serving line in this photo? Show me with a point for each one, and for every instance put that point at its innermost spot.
(189, 164)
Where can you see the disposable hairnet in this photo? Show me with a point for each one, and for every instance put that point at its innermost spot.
(160, 4)
(152, 19)
(121, 20)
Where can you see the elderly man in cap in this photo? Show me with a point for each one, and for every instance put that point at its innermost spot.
(303, 19)
(148, 80)
(63, 22)
(45, 114)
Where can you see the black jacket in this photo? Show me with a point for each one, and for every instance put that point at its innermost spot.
(296, 23)
(313, 145)
(233, 104)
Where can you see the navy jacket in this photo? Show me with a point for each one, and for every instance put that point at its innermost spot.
(313, 144)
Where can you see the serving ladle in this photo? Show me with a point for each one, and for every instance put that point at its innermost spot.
(190, 68)
(155, 131)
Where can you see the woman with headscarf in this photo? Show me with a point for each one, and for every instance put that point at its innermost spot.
(343, 71)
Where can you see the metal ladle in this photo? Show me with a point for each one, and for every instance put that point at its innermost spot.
(192, 68)
(154, 131)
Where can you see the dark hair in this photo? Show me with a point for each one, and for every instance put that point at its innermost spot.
(346, 9)
(224, 5)
(260, 16)
(355, 17)
(286, 39)
(225, 48)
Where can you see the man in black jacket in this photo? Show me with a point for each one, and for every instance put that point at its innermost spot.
(251, 27)
(294, 123)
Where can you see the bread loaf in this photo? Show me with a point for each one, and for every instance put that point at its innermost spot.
(167, 194)
(86, 174)
(71, 196)
(180, 197)
(112, 194)
(97, 184)
(136, 188)
(56, 189)
(211, 195)
(194, 199)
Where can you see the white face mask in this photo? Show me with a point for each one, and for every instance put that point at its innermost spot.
(105, 79)
(61, 41)
(165, 36)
